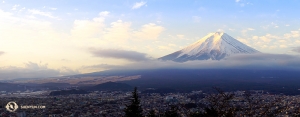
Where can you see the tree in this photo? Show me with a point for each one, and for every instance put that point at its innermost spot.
(172, 112)
(151, 113)
(220, 104)
(134, 109)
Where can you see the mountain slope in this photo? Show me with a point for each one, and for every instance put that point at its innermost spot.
(111, 86)
(215, 46)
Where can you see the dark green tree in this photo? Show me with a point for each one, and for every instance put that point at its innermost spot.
(172, 112)
(151, 113)
(134, 109)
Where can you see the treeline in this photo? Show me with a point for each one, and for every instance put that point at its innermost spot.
(223, 104)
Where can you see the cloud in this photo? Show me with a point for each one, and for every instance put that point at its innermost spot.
(138, 5)
(244, 32)
(296, 49)
(119, 54)
(251, 29)
(65, 71)
(86, 29)
(38, 12)
(104, 13)
(53, 8)
(119, 30)
(237, 0)
(1, 53)
(149, 31)
(180, 36)
(15, 7)
(241, 61)
(33, 70)
(292, 34)
(99, 67)
(268, 38)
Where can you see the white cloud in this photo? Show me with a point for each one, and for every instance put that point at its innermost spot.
(292, 34)
(220, 30)
(138, 5)
(15, 7)
(22, 9)
(283, 46)
(5, 14)
(84, 29)
(241, 61)
(53, 8)
(38, 12)
(119, 54)
(168, 47)
(119, 31)
(149, 31)
(268, 38)
(231, 29)
(244, 32)
(3, 1)
(104, 13)
(180, 36)
(237, 0)
(33, 70)
(251, 29)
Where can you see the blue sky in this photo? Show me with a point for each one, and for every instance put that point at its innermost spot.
(63, 36)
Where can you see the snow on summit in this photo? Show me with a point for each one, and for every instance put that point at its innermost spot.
(213, 46)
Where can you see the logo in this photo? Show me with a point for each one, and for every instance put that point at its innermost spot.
(11, 106)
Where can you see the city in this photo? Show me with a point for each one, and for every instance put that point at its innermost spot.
(113, 103)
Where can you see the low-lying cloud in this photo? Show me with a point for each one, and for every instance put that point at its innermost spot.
(120, 54)
(100, 66)
(296, 49)
(242, 61)
(33, 70)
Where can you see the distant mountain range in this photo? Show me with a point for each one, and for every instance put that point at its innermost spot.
(214, 46)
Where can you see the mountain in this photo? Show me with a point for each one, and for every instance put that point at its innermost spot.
(214, 46)
(67, 92)
(11, 87)
(110, 86)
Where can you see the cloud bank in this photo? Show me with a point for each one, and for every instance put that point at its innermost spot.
(295, 49)
(120, 54)
(33, 70)
(243, 61)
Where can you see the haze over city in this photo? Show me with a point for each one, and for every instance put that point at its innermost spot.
(54, 38)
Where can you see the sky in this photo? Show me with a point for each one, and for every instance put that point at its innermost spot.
(53, 38)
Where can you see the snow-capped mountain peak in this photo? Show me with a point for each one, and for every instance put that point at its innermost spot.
(213, 46)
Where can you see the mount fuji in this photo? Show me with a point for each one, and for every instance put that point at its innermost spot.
(214, 46)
